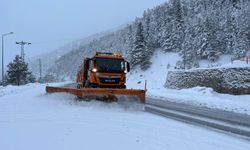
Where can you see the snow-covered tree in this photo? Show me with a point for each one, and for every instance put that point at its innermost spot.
(18, 72)
(243, 23)
(189, 47)
(140, 54)
(177, 28)
(166, 32)
(129, 41)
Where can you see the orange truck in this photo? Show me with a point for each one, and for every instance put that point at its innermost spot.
(102, 77)
(104, 70)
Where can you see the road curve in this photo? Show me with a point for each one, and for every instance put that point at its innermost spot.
(232, 122)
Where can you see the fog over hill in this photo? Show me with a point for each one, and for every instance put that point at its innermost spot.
(48, 59)
(196, 29)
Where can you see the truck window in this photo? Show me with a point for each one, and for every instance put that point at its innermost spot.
(109, 65)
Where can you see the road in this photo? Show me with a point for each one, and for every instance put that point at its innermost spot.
(31, 119)
(218, 119)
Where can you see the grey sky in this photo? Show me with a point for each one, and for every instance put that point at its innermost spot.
(49, 24)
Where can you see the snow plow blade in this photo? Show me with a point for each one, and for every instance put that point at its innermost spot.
(105, 94)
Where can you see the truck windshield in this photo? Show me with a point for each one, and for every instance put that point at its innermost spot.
(109, 65)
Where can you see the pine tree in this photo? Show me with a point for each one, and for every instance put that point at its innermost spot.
(166, 32)
(129, 42)
(230, 33)
(210, 40)
(189, 47)
(140, 53)
(178, 24)
(18, 73)
(242, 42)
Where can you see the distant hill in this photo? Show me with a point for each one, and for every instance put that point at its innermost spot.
(49, 59)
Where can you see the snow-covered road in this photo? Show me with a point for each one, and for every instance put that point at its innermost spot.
(30, 119)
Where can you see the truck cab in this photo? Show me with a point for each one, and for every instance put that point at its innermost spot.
(104, 70)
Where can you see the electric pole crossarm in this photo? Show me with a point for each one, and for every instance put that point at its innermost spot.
(22, 43)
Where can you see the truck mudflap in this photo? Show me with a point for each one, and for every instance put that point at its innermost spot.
(105, 94)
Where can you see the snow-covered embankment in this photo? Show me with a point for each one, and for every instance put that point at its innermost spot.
(200, 96)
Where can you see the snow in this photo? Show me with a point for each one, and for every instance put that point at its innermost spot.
(156, 74)
(199, 96)
(236, 64)
(31, 119)
(224, 61)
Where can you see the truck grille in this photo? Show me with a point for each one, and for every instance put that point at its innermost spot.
(110, 80)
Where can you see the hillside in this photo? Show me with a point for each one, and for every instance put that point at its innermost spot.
(49, 59)
(196, 29)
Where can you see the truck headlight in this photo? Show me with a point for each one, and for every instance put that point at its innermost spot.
(94, 70)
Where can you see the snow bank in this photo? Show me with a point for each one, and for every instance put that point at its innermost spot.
(199, 96)
(8, 90)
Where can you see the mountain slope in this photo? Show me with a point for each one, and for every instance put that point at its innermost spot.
(49, 59)
(196, 29)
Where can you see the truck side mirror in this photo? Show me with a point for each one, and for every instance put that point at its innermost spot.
(128, 66)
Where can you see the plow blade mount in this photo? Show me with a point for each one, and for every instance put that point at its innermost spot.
(99, 93)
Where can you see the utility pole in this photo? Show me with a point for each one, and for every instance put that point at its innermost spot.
(3, 35)
(40, 69)
(22, 43)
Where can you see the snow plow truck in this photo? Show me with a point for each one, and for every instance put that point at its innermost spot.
(102, 77)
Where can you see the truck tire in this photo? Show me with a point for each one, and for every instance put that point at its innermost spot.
(87, 84)
(79, 86)
(90, 85)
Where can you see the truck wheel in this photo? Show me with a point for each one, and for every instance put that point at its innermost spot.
(78, 86)
(87, 84)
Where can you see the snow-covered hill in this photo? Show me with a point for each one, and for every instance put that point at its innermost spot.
(49, 59)
(192, 28)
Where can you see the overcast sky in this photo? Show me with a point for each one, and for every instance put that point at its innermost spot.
(49, 24)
